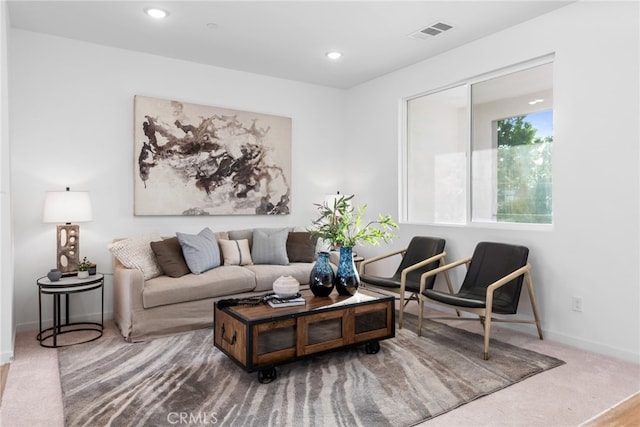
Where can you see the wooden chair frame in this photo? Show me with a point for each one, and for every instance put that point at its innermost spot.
(485, 314)
(401, 291)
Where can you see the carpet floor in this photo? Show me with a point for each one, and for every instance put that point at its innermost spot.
(183, 378)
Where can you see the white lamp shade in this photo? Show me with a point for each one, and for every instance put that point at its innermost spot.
(67, 207)
(331, 199)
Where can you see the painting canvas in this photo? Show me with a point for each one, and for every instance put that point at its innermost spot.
(199, 160)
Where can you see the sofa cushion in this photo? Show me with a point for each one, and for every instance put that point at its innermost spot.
(169, 256)
(270, 246)
(266, 274)
(301, 246)
(235, 252)
(221, 281)
(136, 252)
(201, 251)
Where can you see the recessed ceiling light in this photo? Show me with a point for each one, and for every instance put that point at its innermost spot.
(156, 12)
(536, 101)
(334, 55)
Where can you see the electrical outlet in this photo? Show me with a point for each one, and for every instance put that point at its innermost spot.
(576, 304)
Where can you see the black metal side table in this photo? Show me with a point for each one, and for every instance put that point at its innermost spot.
(67, 286)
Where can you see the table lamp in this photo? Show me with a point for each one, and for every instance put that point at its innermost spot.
(331, 199)
(67, 207)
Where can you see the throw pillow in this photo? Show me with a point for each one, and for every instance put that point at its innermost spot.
(235, 252)
(270, 246)
(136, 252)
(222, 235)
(301, 246)
(169, 256)
(242, 234)
(201, 251)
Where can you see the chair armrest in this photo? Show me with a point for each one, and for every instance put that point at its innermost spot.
(423, 278)
(506, 279)
(420, 265)
(378, 258)
(501, 282)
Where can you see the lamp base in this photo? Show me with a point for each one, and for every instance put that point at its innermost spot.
(68, 247)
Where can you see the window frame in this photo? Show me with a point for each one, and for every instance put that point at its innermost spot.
(403, 178)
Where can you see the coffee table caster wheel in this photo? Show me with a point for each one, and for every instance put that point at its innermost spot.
(265, 376)
(372, 347)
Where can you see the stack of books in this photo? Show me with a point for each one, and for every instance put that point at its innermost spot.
(277, 302)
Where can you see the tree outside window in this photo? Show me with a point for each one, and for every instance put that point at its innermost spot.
(524, 169)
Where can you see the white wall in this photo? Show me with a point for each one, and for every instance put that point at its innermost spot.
(6, 257)
(592, 250)
(72, 125)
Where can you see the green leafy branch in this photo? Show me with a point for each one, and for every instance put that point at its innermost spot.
(341, 225)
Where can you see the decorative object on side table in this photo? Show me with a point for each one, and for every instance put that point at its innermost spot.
(54, 275)
(83, 268)
(339, 225)
(321, 276)
(67, 207)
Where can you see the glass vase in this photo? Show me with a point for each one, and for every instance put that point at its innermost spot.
(347, 279)
(321, 276)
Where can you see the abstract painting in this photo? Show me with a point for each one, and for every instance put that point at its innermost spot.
(199, 160)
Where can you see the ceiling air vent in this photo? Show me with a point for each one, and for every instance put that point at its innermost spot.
(431, 31)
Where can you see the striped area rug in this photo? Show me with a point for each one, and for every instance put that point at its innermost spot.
(183, 380)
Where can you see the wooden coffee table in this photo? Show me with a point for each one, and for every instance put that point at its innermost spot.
(258, 338)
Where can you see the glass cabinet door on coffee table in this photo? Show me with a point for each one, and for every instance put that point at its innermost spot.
(315, 332)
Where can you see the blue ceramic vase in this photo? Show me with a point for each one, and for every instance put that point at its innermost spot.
(321, 276)
(347, 279)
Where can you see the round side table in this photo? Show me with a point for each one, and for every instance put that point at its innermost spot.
(66, 286)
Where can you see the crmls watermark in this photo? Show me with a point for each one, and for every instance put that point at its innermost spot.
(192, 418)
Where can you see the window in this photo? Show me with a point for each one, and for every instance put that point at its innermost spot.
(437, 136)
(481, 150)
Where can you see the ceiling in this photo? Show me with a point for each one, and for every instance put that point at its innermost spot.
(285, 39)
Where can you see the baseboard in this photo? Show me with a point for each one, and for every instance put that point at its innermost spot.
(570, 341)
(582, 344)
(6, 357)
(593, 347)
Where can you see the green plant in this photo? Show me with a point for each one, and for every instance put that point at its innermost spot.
(84, 264)
(341, 225)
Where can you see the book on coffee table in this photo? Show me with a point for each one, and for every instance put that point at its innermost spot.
(277, 303)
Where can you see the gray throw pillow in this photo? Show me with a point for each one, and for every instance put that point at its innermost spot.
(201, 251)
(270, 246)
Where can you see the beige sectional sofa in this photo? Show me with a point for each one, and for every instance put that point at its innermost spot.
(149, 303)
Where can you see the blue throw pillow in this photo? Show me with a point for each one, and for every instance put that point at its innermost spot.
(270, 246)
(201, 251)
